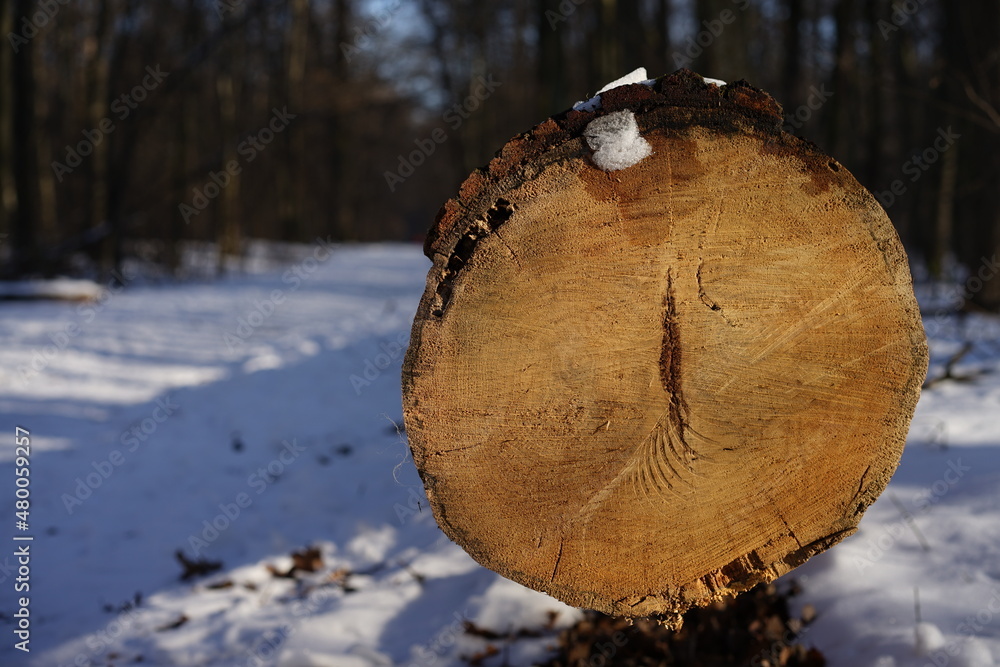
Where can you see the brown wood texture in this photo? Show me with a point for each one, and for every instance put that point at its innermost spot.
(642, 390)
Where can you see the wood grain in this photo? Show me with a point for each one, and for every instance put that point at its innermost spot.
(641, 390)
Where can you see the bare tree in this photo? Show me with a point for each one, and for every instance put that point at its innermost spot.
(24, 153)
(370, 83)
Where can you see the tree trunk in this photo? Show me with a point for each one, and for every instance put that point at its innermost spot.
(97, 56)
(24, 152)
(8, 195)
(114, 164)
(974, 84)
(794, 53)
(551, 60)
(842, 113)
(184, 125)
(48, 222)
(631, 38)
(661, 61)
(944, 218)
(298, 44)
(229, 230)
(644, 389)
(339, 142)
(607, 46)
(725, 56)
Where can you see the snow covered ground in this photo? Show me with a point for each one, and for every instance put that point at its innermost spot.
(247, 419)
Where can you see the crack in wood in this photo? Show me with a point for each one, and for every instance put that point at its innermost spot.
(707, 300)
(861, 486)
(663, 461)
(461, 254)
(441, 452)
(803, 554)
(603, 427)
(701, 288)
(555, 568)
(791, 532)
(670, 349)
(667, 456)
(670, 374)
(513, 255)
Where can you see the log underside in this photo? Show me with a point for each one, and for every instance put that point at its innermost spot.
(642, 390)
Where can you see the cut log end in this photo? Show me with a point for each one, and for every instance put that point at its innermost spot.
(645, 388)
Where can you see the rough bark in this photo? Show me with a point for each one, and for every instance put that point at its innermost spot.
(646, 389)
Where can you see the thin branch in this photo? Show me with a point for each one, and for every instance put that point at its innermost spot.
(936, 102)
(949, 368)
(980, 102)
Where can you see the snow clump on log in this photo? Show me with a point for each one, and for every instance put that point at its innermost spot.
(616, 141)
